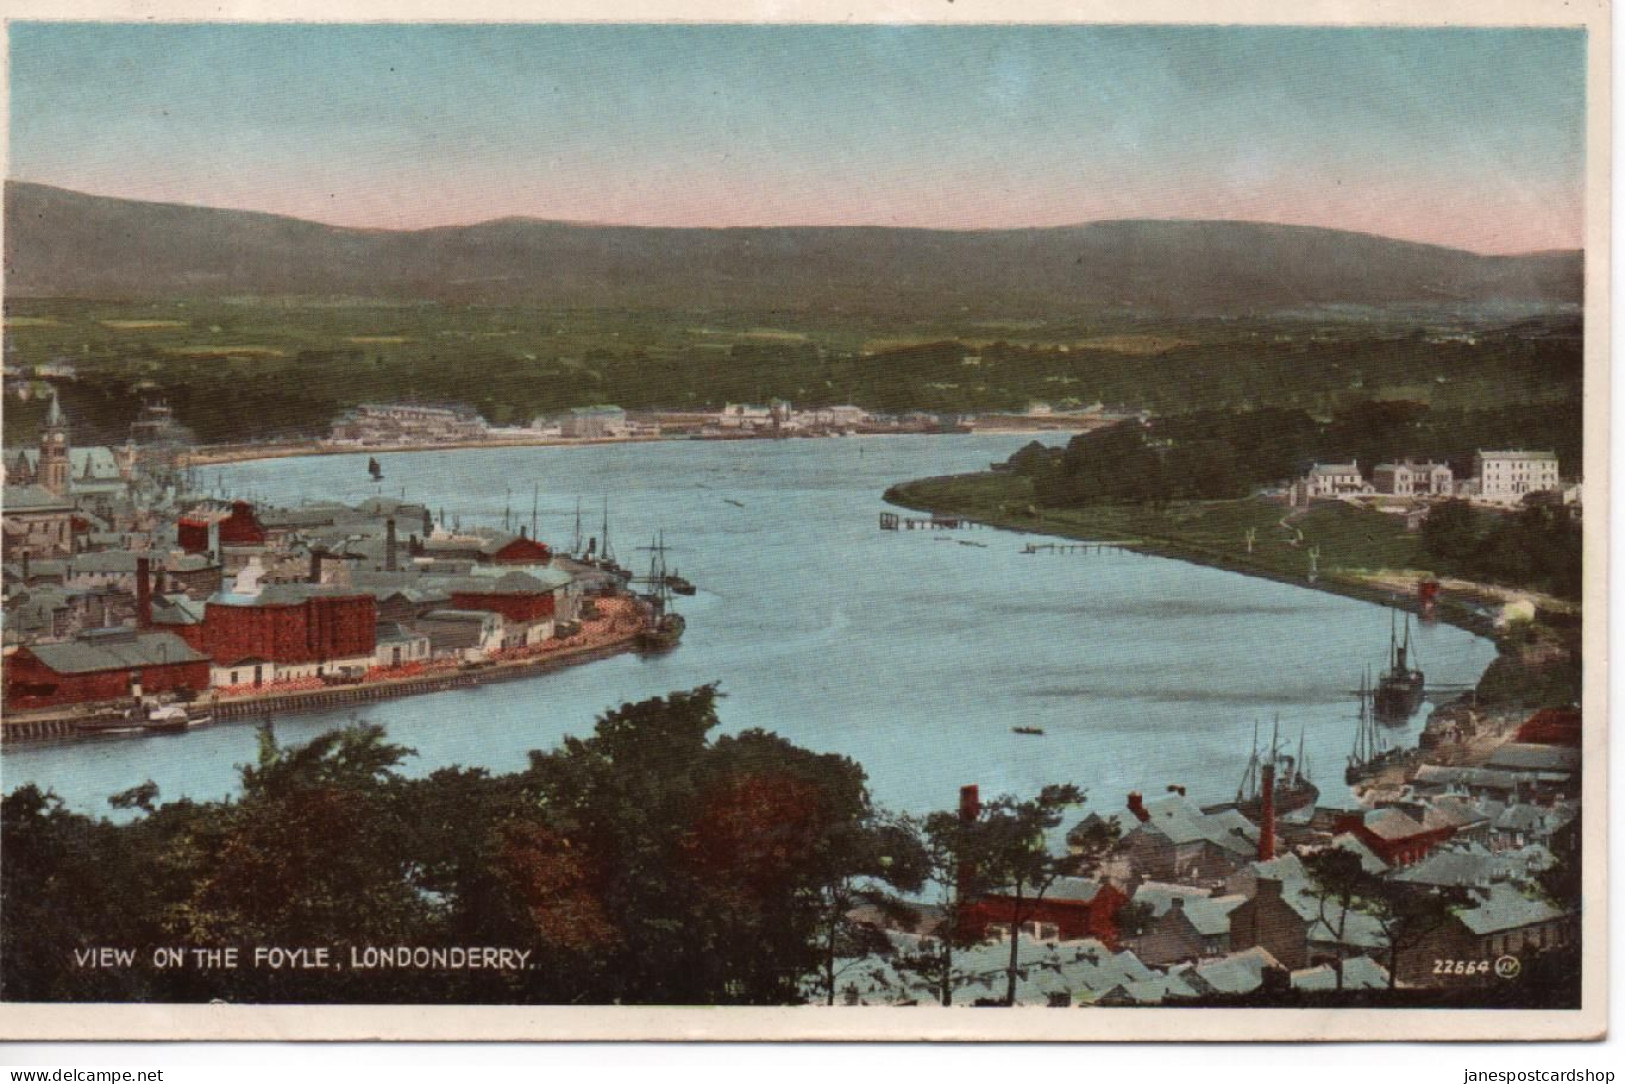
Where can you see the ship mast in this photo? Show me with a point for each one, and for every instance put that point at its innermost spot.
(575, 549)
(605, 554)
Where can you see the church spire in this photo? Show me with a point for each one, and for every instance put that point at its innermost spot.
(54, 418)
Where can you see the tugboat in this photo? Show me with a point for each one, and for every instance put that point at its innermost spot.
(1371, 753)
(1293, 789)
(665, 625)
(1399, 691)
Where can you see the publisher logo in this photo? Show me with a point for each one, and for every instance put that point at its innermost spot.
(1508, 967)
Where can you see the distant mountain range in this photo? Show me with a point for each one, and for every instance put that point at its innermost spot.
(60, 243)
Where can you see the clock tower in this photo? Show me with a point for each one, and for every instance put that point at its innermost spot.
(55, 469)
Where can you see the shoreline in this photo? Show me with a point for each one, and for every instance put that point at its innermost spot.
(62, 726)
(1450, 611)
(212, 455)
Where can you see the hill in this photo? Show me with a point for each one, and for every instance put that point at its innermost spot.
(67, 244)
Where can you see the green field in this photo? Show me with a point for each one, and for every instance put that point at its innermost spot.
(259, 368)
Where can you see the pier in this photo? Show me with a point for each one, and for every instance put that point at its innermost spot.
(1076, 547)
(891, 521)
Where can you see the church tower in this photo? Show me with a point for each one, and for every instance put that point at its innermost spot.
(55, 468)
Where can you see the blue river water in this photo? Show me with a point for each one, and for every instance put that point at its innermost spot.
(905, 651)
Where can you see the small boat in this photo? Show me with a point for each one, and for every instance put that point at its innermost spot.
(1026, 730)
(662, 634)
(173, 718)
(375, 470)
(736, 504)
(679, 585)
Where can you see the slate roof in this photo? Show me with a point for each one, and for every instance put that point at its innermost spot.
(1536, 758)
(33, 499)
(1505, 908)
(1390, 823)
(1459, 869)
(1237, 973)
(1359, 973)
(93, 655)
(1182, 821)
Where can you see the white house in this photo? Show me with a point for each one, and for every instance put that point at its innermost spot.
(1507, 477)
(1335, 480)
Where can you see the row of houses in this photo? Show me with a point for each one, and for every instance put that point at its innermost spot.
(1195, 902)
(1499, 477)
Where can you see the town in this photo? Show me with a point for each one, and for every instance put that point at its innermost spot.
(136, 605)
(130, 605)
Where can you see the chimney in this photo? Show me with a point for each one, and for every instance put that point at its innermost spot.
(970, 803)
(1266, 826)
(522, 530)
(315, 565)
(143, 592)
(1136, 806)
(389, 545)
(1269, 888)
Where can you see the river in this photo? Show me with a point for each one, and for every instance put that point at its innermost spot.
(908, 652)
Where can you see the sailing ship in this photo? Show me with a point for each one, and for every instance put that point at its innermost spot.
(1293, 788)
(665, 625)
(374, 469)
(1372, 752)
(606, 556)
(1399, 690)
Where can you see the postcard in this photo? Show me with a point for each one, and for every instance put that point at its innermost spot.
(798, 526)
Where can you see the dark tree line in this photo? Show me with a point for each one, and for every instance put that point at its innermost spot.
(1539, 547)
(1224, 454)
(652, 862)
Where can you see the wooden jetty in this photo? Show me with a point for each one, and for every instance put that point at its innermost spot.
(891, 521)
(1076, 547)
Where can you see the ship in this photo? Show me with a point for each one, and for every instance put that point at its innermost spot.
(374, 469)
(680, 585)
(664, 626)
(1293, 788)
(1372, 752)
(1399, 690)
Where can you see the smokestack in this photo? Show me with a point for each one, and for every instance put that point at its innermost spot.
(143, 592)
(315, 566)
(1266, 827)
(970, 803)
(1136, 806)
(389, 545)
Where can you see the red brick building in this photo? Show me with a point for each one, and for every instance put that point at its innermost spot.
(239, 527)
(291, 623)
(1392, 836)
(517, 597)
(107, 664)
(1077, 907)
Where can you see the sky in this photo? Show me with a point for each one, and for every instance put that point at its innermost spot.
(1472, 138)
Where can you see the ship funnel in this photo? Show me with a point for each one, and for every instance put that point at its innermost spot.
(1266, 818)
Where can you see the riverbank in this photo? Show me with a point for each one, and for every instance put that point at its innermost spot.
(1215, 534)
(1537, 662)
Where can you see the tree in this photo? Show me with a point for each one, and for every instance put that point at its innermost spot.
(1408, 916)
(1337, 879)
(1009, 846)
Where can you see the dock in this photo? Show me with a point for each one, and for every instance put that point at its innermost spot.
(1077, 547)
(891, 521)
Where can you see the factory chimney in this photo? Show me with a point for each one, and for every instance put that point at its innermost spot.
(1266, 817)
(143, 592)
(389, 544)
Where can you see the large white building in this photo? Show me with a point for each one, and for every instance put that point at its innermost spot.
(1507, 477)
